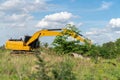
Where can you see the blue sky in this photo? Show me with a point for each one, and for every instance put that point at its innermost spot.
(99, 20)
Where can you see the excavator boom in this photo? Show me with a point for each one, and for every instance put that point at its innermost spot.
(42, 33)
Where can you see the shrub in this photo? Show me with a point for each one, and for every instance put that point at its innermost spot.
(108, 50)
(64, 71)
(117, 46)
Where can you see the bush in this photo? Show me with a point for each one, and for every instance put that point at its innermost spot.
(63, 71)
(108, 50)
(117, 46)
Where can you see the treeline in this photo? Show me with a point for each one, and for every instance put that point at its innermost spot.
(110, 49)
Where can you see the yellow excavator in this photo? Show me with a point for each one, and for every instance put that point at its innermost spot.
(31, 43)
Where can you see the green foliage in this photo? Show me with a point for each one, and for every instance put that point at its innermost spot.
(64, 71)
(61, 71)
(117, 43)
(46, 45)
(63, 46)
(14, 67)
(2, 49)
(108, 50)
(58, 68)
(76, 69)
(89, 77)
(93, 52)
(73, 28)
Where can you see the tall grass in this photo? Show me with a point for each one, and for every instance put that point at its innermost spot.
(15, 67)
(20, 67)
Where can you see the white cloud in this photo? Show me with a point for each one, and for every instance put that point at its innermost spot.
(18, 17)
(91, 33)
(115, 22)
(19, 12)
(118, 32)
(79, 24)
(9, 4)
(23, 5)
(105, 5)
(55, 20)
(109, 33)
(15, 20)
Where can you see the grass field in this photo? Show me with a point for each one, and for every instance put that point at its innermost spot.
(15, 67)
(20, 67)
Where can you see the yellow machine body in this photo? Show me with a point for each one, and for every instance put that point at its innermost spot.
(16, 45)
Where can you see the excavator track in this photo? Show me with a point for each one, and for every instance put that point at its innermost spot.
(25, 52)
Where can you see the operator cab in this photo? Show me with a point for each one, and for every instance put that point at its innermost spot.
(34, 44)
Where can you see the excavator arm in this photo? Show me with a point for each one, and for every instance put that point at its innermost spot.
(55, 32)
(47, 32)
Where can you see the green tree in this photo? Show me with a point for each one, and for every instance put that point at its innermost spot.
(61, 43)
(72, 28)
(108, 50)
(117, 43)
